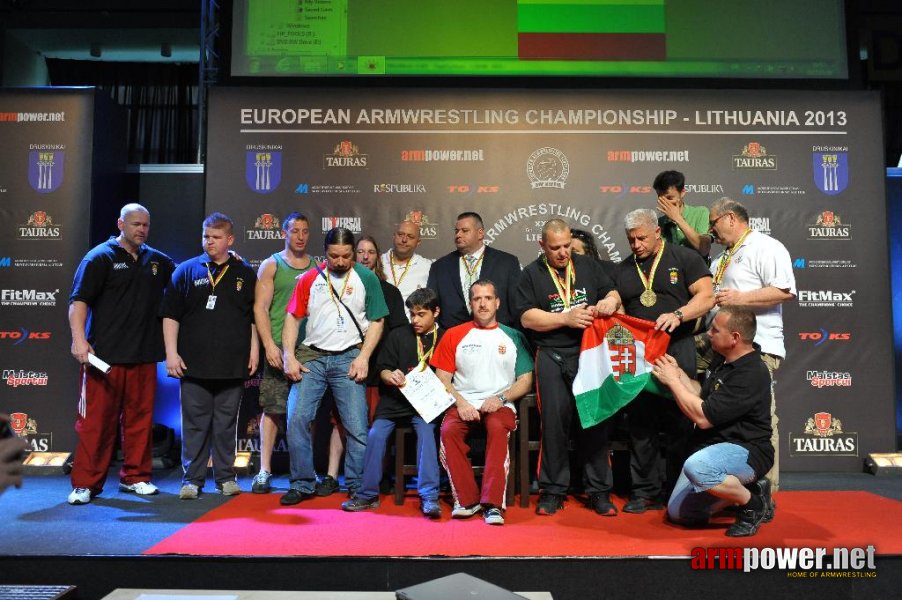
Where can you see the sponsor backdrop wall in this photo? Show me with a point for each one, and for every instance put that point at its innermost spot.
(52, 164)
(807, 165)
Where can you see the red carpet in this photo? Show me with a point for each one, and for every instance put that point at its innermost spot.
(256, 525)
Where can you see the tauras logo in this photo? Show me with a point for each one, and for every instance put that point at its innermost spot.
(829, 226)
(825, 298)
(27, 298)
(754, 156)
(820, 379)
(823, 436)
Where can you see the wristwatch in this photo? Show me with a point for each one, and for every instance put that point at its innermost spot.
(502, 397)
(679, 314)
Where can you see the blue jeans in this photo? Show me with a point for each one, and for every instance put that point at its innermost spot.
(690, 502)
(427, 458)
(330, 371)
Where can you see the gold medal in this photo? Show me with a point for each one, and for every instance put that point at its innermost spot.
(648, 298)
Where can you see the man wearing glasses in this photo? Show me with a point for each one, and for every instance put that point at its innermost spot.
(754, 270)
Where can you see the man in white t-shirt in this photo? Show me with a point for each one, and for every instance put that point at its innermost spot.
(486, 366)
(754, 270)
(344, 307)
(403, 267)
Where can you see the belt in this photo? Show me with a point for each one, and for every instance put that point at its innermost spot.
(335, 352)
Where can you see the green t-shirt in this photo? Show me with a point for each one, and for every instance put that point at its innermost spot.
(696, 216)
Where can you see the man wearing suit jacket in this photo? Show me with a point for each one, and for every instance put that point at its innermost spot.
(452, 275)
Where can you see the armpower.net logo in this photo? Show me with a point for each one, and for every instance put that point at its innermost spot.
(799, 563)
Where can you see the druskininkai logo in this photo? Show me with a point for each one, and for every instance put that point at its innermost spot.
(263, 170)
(45, 170)
(830, 169)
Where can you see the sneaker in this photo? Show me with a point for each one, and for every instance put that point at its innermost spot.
(189, 491)
(465, 512)
(261, 483)
(494, 516)
(80, 496)
(748, 520)
(358, 503)
(142, 488)
(326, 486)
(431, 508)
(229, 488)
(638, 505)
(294, 497)
(549, 503)
(601, 503)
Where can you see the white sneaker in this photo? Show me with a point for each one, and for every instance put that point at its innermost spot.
(189, 491)
(80, 496)
(229, 488)
(463, 512)
(142, 488)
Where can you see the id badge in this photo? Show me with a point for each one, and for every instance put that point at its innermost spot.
(211, 302)
(340, 325)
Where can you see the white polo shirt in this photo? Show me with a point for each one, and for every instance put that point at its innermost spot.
(407, 277)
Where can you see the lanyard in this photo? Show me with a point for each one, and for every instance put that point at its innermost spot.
(391, 262)
(563, 287)
(471, 273)
(728, 257)
(213, 282)
(647, 283)
(344, 288)
(423, 356)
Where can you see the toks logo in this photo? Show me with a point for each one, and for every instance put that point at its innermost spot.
(819, 337)
(473, 189)
(23, 334)
(823, 436)
(625, 189)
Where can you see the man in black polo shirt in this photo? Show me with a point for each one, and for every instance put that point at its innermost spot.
(212, 346)
(119, 284)
(557, 297)
(731, 413)
(670, 285)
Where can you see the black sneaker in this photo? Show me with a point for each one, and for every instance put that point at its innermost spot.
(638, 505)
(326, 487)
(357, 504)
(762, 487)
(294, 497)
(549, 503)
(601, 503)
(748, 520)
(431, 508)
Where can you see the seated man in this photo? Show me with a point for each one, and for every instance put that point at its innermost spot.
(406, 348)
(731, 412)
(486, 367)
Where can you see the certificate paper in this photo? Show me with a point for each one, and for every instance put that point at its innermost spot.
(426, 393)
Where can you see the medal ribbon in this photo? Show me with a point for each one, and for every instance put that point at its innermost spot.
(423, 356)
(647, 283)
(471, 272)
(391, 262)
(213, 282)
(344, 288)
(563, 287)
(727, 258)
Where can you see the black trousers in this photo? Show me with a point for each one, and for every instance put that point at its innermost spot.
(557, 408)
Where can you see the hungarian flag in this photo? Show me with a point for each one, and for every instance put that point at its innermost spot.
(615, 361)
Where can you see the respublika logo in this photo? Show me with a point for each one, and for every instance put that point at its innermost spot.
(399, 188)
(823, 436)
(345, 154)
(22, 335)
(352, 223)
(822, 336)
(263, 170)
(27, 298)
(830, 166)
(829, 226)
(822, 379)
(40, 226)
(704, 188)
(266, 227)
(825, 299)
(45, 167)
(548, 167)
(754, 156)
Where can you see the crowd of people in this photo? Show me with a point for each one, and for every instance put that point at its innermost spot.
(352, 329)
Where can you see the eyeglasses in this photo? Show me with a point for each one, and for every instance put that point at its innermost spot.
(713, 222)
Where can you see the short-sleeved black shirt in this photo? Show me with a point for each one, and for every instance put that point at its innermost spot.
(215, 344)
(679, 268)
(124, 295)
(399, 351)
(736, 400)
(536, 289)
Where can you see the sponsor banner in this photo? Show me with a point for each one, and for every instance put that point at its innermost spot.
(306, 188)
(21, 335)
(828, 225)
(830, 165)
(21, 377)
(45, 167)
(822, 336)
(467, 189)
(263, 170)
(345, 155)
(9, 297)
(352, 223)
(823, 435)
(831, 263)
(399, 188)
(754, 156)
(656, 156)
(760, 224)
(826, 298)
(822, 379)
(750, 189)
(266, 227)
(469, 155)
(40, 226)
(428, 229)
